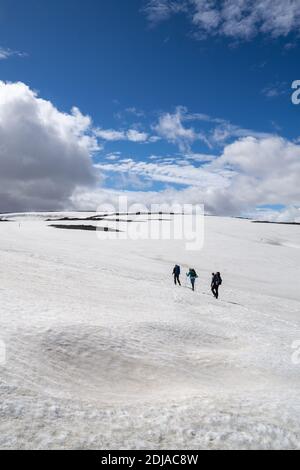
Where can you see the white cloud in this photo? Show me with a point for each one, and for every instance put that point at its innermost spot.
(44, 153)
(274, 90)
(113, 156)
(287, 214)
(266, 171)
(136, 136)
(160, 10)
(5, 53)
(180, 172)
(171, 128)
(154, 138)
(112, 135)
(251, 172)
(238, 19)
(199, 157)
(225, 131)
(136, 112)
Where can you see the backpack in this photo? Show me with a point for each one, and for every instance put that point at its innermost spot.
(176, 270)
(193, 273)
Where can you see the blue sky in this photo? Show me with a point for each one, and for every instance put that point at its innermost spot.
(174, 89)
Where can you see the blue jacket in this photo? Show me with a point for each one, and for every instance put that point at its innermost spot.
(192, 274)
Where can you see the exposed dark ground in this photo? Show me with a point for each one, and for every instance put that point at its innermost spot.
(276, 223)
(90, 228)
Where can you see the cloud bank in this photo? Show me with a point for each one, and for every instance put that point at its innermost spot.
(251, 172)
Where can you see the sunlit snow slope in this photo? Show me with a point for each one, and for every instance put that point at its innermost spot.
(102, 351)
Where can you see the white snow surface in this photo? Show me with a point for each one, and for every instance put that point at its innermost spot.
(103, 352)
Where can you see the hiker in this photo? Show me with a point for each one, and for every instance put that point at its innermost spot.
(193, 276)
(176, 274)
(216, 282)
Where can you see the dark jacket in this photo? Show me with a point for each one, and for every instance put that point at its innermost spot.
(176, 270)
(216, 280)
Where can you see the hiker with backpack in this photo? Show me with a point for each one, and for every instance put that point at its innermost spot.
(216, 282)
(176, 274)
(193, 276)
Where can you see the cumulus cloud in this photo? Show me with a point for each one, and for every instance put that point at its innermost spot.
(265, 171)
(112, 135)
(171, 127)
(136, 136)
(44, 154)
(238, 19)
